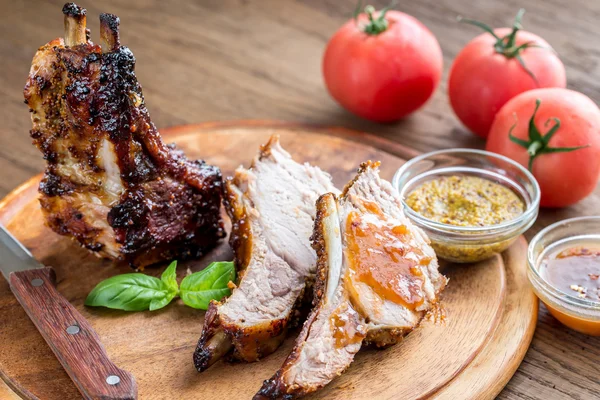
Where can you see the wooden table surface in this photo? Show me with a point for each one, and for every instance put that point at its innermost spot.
(239, 59)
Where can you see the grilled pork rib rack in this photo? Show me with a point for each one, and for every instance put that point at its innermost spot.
(272, 207)
(110, 182)
(376, 279)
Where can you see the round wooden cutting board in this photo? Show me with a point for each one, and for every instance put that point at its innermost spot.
(491, 311)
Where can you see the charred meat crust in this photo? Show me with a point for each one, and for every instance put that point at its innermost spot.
(318, 244)
(252, 344)
(213, 343)
(240, 238)
(386, 337)
(275, 387)
(361, 170)
(81, 97)
(111, 21)
(73, 10)
(248, 344)
(150, 219)
(109, 31)
(203, 355)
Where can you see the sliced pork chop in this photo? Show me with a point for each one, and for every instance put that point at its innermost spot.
(272, 208)
(377, 278)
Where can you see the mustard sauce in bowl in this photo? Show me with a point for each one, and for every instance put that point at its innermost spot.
(472, 204)
(463, 200)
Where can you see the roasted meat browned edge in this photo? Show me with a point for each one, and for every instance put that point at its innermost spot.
(220, 334)
(82, 97)
(275, 388)
(279, 386)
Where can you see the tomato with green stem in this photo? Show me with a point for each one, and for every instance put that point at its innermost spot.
(382, 65)
(555, 133)
(495, 67)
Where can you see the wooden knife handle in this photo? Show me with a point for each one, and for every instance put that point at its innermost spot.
(71, 338)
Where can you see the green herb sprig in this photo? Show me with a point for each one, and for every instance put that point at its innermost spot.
(138, 292)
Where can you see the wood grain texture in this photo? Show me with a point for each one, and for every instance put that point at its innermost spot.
(240, 59)
(487, 378)
(79, 351)
(157, 347)
(6, 393)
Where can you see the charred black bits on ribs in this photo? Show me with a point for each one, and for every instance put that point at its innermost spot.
(113, 104)
(94, 246)
(110, 181)
(111, 20)
(130, 211)
(53, 185)
(73, 10)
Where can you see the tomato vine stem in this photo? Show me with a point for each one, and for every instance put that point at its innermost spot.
(374, 26)
(538, 144)
(506, 45)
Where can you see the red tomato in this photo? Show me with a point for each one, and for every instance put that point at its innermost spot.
(567, 176)
(382, 76)
(482, 79)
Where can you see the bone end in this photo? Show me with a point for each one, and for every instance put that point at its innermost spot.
(75, 24)
(109, 32)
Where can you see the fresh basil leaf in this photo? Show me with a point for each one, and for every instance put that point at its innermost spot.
(160, 303)
(130, 292)
(169, 277)
(201, 299)
(199, 288)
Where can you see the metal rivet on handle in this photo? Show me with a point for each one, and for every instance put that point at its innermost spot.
(73, 330)
(113, 379)
(37, 282)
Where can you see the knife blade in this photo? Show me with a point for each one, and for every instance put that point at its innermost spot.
(70, 336)
(13, 255)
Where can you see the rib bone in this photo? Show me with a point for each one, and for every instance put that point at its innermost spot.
(109, 32)
(110, 182)
(75, 24)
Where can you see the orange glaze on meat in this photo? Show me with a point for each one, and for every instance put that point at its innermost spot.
(372, 207)
(347, 327)
(382, 256)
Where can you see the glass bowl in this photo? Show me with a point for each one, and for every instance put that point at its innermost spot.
(580, 314)
(470, 244)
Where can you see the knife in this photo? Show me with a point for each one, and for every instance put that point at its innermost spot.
(71, 338)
